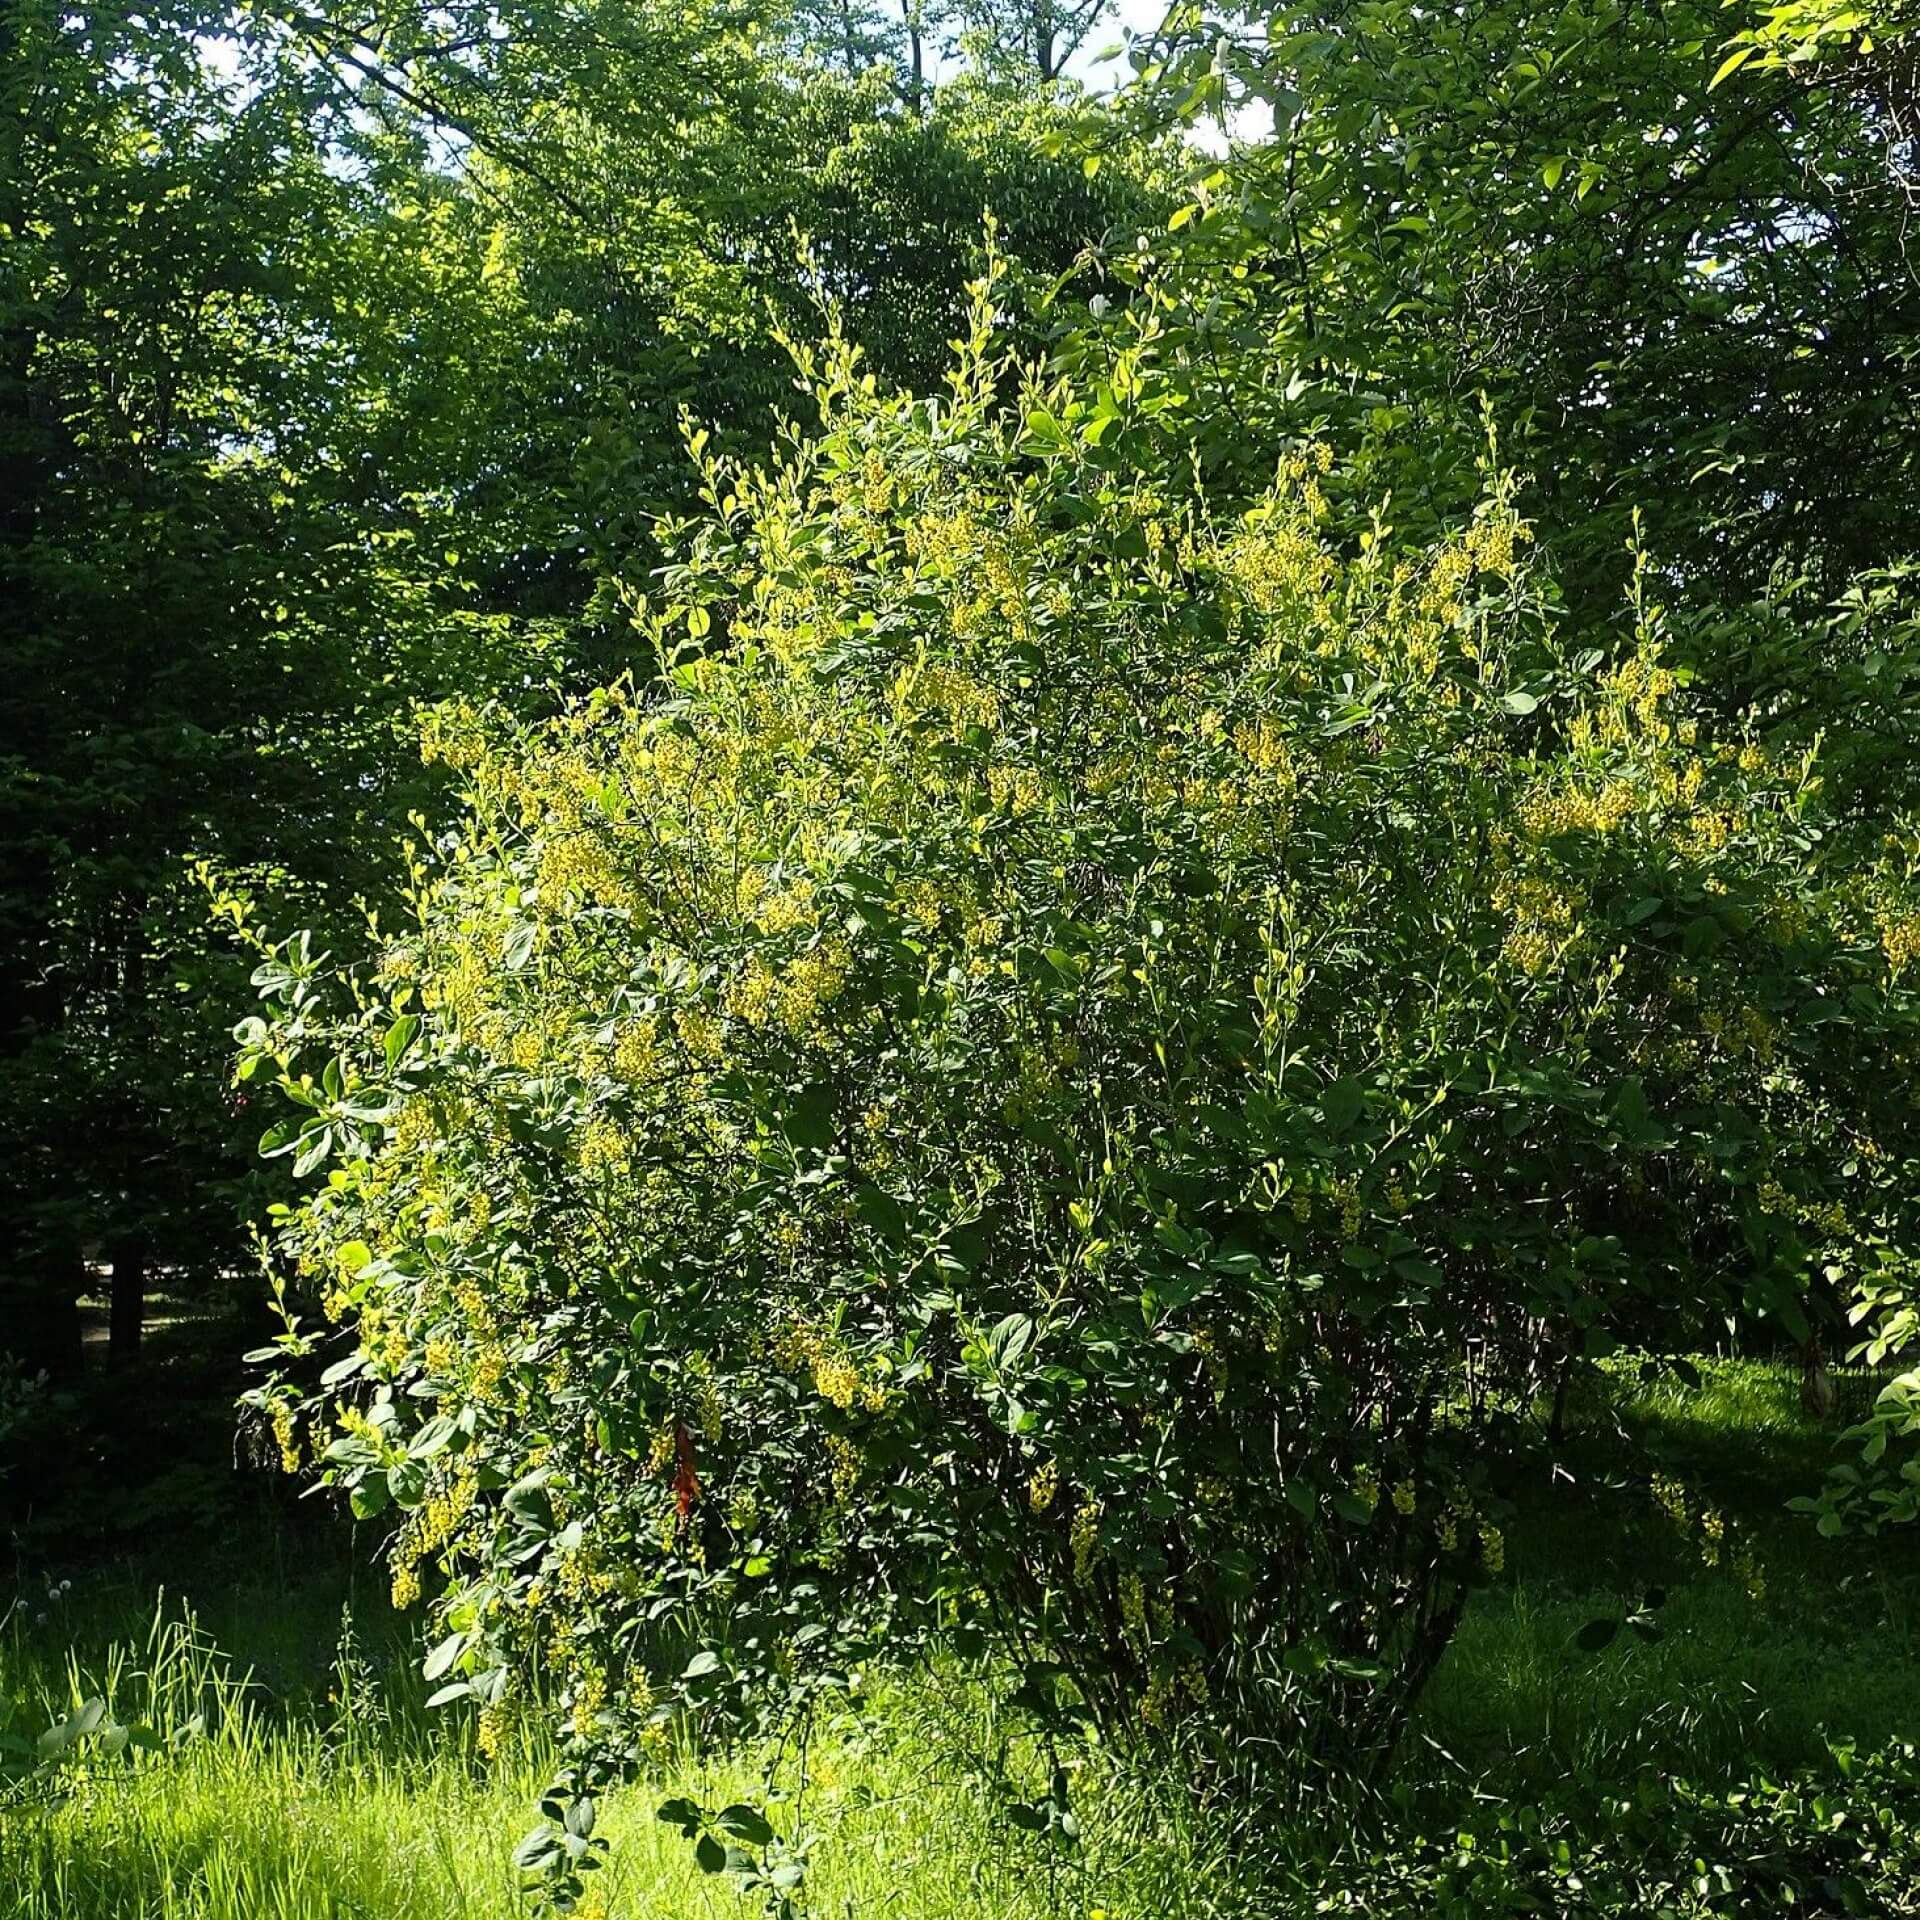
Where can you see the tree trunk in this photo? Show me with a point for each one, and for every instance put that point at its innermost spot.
(1816, 1383)
(1557, 1425)
(916, 55)
(127, 1303)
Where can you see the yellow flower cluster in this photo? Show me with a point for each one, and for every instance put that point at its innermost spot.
(1826, 1216)
(589, 1696)
(382, 1340)
(945, 694)
(462, 988)
(708, 1414)
(579, 869)
(1900, 941)
(489, 1373)
(636, 1050)
(1352, 1209)
(442, 1511)
(603, 1148)
(1749, 1031)
(1084, 1538)
(795, 997)
(1450, 1528)
(284, 1436)
(836, 1377)
(475, 1308)
(1549, 812)
(1493, 1547)
(1545, 919)
(1167, 1687)
(1706, 833)
(451, 735)
(430, 1526)
(639, 1692)
(1043, 1486)
(1713, 1535)
(1016, 790)
(784, 909)
(700, 1033)
(1266, 752)
(843, 1465)
(920, 903)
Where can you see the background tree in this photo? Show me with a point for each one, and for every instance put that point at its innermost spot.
(227, 579)
(345, 366)
(1036, 39)
(1684, 290)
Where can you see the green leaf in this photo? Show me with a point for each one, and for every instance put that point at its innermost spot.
(400, 1037)
(1731, 65)
(530, 1504)
(685, 1814)
(1009, 1340)
(742, 1822)
(809, 1118)
(538, 1848)
(517, 949)
(441, 1659)
(1342, 1103)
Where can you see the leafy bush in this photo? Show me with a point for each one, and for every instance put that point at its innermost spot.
(1809, 1844)
(1061, 1085)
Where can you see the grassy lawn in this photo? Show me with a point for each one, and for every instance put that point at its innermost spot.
(313, 1783)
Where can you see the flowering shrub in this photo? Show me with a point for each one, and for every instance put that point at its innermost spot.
(1061, 1085)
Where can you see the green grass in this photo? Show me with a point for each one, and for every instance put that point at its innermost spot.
(1826, 1651)
(320, 1787)
(355, 1805)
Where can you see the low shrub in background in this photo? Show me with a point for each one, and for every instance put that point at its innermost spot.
(1812, 1843)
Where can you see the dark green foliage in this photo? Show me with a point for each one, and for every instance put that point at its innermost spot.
(1842, 1840)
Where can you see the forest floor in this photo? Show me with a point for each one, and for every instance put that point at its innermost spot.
(299, 1775)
